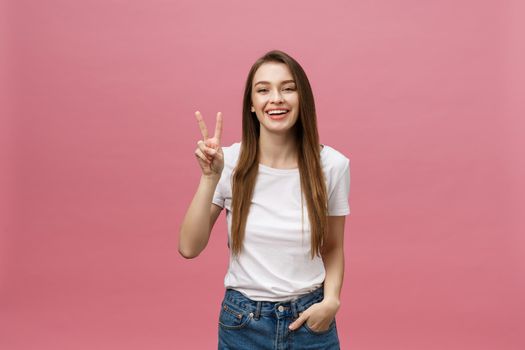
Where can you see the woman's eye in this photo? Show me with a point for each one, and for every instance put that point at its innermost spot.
(261, 90)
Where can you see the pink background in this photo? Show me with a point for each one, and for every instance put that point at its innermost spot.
(97, 137)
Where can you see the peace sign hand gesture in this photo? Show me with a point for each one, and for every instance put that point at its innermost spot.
(209, 151)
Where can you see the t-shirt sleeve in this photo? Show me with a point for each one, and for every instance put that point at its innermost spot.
(338, 200)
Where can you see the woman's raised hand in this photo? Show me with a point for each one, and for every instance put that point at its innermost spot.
(209, 151)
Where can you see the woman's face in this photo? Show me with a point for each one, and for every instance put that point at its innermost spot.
(273, 88)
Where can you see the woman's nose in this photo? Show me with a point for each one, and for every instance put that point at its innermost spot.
(276, 96)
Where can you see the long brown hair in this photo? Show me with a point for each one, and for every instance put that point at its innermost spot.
(309, 159)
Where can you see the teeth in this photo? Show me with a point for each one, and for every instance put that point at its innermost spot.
(277, 111)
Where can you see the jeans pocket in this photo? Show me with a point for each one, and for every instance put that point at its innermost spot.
(233, 317)
(330, 327)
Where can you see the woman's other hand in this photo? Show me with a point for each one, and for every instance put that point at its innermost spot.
(318, 317)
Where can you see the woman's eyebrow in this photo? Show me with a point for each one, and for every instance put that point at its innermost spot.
(267, 82)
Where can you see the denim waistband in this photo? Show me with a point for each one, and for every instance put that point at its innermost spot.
(290, 308)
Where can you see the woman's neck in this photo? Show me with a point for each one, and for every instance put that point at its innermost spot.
(278, 151)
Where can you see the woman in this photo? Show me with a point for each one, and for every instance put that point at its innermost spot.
(286, 197)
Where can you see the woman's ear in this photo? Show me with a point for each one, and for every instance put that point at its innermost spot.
(253, 109)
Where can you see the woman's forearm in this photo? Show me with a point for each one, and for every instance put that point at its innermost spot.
(334, 266)
(195, 228)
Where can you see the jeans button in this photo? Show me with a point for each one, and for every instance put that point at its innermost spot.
(280, 308)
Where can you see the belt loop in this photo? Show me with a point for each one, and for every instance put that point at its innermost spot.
(258, 310)
(293, 304)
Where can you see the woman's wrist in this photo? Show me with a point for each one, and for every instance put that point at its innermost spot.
(332, 301)
(214, 179)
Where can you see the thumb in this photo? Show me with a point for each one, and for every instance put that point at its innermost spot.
(297, 323)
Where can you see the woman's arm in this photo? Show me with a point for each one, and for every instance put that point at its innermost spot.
(333, 258)
(321, 314)
(201, 215)
(199, 219)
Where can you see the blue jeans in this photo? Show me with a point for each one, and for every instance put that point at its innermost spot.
(246, 324)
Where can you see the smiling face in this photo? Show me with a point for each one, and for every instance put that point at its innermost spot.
(275, 99)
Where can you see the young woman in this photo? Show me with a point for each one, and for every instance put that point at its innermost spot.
(286, 197)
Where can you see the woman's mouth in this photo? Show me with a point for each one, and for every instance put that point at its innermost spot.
(277, 114)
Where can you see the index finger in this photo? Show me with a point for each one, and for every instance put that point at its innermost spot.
(202, 125)
(218, 127)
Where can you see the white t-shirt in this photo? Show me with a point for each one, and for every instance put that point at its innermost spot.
(275, 263)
